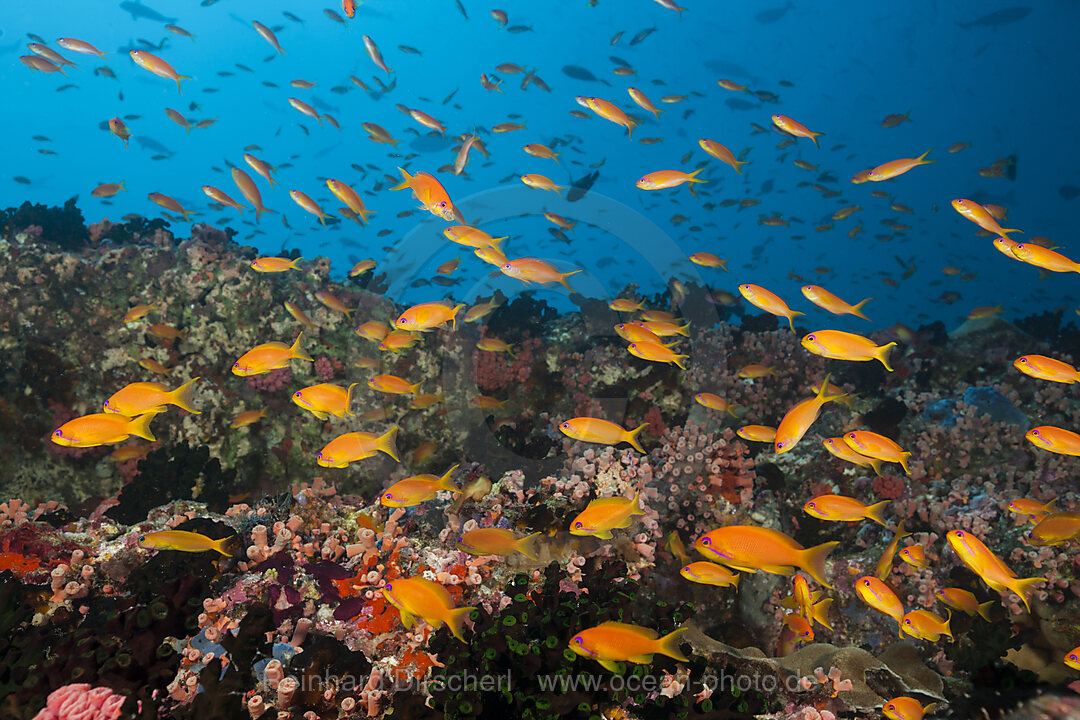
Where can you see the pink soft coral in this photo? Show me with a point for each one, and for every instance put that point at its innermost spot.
(79, 701)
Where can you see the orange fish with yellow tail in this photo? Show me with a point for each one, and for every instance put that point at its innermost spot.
(750, 548)
(988, 566)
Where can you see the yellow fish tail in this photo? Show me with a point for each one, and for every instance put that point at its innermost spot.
(693, 177)
(1025, 588)
(140, 426)
(404, 183)
(984, 609)
(453, 317)
(183, 396)
(293, 264)
(875, 513)
(903, 461)
(922, 158)
(679, 360)
(882, 354)
(455, 620)
(349, 398)
(791, 318)
(669, 645)
(386, 443)
(445, 483)
(527, 546)
(635, 505)
(630, 436)
(813, 561)
(297, 352)
(815, 135)
(857, 308)
(563, 276)
(223, 545)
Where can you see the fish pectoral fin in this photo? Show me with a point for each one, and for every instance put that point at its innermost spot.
(616, 667)
(640, 659)
(321, 415)
(407, 619)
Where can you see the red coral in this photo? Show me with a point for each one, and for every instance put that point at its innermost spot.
(888, 486)
(273, 381)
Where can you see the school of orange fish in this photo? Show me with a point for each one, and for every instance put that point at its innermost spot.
(652, 336)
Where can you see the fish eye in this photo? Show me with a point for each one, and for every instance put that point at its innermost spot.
(142, 538)
(390, 496)
(578, 640)
(388, 587)
(811, 505)
(866, 583)
(1023, 360)
(57, 433)
(1035, 433)
(907, 622)
(577, 525)
(959, 533)
(319, 456)
(706, 541)
(810, 337)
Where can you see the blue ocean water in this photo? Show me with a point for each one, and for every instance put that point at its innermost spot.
(992, 74)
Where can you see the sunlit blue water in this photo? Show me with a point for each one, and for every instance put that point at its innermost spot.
(1000, 82)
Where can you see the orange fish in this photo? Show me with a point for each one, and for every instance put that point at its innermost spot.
(1044, 258)
(715, 402)
(925, 625)
(108, 189)
(613, 643)
(249, 190)
(542, 151)
(757, 433)
(840, 508)
(988, 566)
(749, 548)
(1054, 439)
(1034, 509)
(905, 708)
(708, 573)
(840, 345)
(497, 541)
(799, 418)
(830, 302)
(416, 489)
(635, 332)
(308, 204)
(838, 448)
(79, 46)
(895, 168)
(169, 204)
(143, 397)
(643, 101)
(965, 601)
(102, 429)
(428, 316)
(881, 597)
(220, 196)
(664, 179)
(542, 182)
(603, 515)
(877, 446)
(1045, 368)
(471, 237)
(157, 66)
(979, 215)
(275, 264)
(792, 127)
(770, 303)
(722, 154)
(350, 197)
(655, 352)
(353, 446)
(393, 385)
(261, 167)
(269, 356)
(532, 270)
(885, 563)
(608, 111)
(915, 556)
(184, 541)
(1055, 529)
(431, 194)
(419, 597)
(325, 399)
(596, 430)
(247, 417)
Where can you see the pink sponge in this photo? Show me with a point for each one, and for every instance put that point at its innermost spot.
(79, 701)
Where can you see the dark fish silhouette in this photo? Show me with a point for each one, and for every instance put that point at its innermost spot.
(1005, 16)
(774, 14)
(1069, 191)
(138, 10)
(579, 73)
(581, 186)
